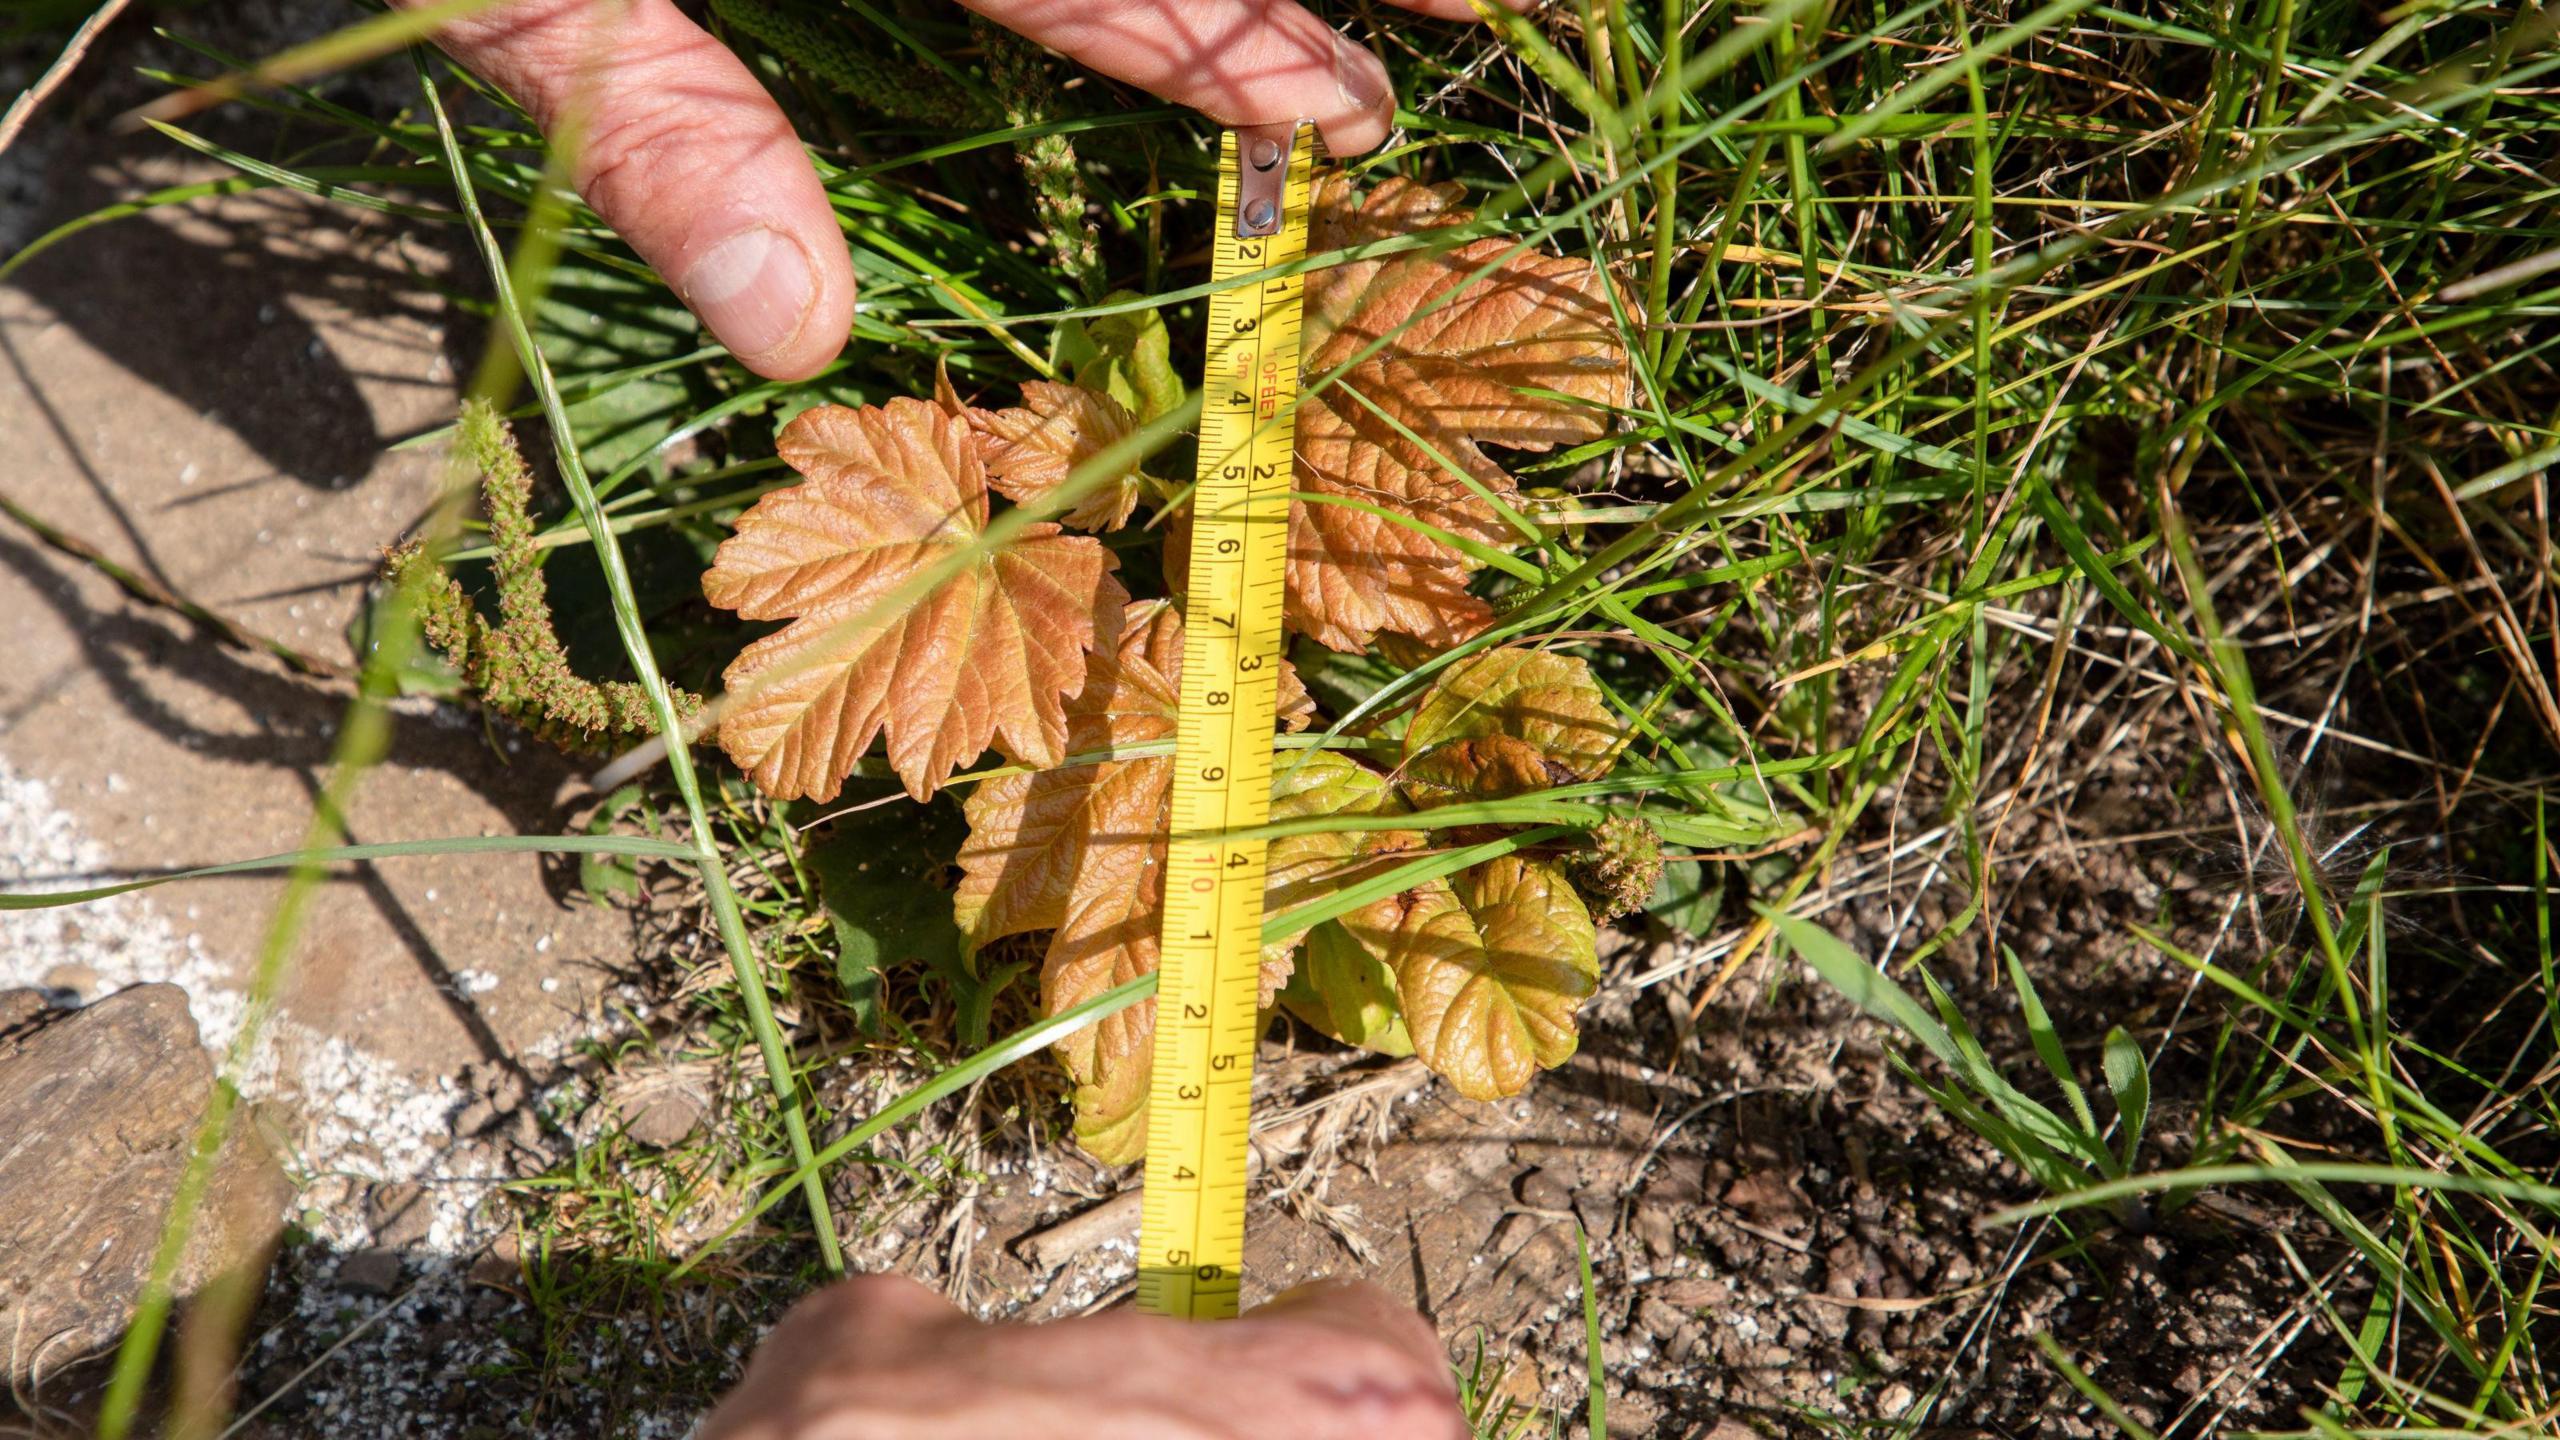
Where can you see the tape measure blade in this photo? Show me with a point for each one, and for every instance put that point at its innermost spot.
(1200, 1094)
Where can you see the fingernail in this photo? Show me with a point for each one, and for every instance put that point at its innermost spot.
(1351, 65)
(754, 289)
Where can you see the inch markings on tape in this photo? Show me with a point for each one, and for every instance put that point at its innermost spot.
(1200, 1097)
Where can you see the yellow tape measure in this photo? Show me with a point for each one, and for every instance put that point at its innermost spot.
(1200, 1098)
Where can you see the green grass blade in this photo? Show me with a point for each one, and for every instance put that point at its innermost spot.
(2048, 1045)
(1027, 1041)
(1596, 1413)
(634, 846)
(2129, 1080)
(707, 859)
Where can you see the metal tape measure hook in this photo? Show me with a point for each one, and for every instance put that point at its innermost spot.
(1262, 180)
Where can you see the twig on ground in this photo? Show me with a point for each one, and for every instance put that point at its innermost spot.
(152, 592)
(23, 109)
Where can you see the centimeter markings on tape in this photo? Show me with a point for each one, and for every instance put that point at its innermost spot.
(1200, 1099)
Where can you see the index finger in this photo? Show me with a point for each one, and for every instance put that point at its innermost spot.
(1239, 62)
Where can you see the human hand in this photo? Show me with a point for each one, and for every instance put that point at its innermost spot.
(683, 153)
(883, 1358)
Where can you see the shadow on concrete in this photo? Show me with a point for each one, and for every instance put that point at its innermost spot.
(147, 660)
(209, 305)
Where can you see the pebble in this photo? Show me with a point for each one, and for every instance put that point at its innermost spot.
(371, 1271)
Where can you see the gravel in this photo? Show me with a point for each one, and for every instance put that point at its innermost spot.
(362, 1120)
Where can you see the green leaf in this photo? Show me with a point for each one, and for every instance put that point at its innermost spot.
(2028, 1114)
(591, 320)
(1346, 992)
(2048, 1044)
(2028, 1132)
(1127, 355)
(1688, 898)
(1867, 987)
(1305, 868)
(2129, 1079)
(884, 876)
(974, 987)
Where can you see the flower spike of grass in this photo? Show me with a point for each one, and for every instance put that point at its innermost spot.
(708, 859)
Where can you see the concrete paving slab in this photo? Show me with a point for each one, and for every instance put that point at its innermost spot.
(209, 395)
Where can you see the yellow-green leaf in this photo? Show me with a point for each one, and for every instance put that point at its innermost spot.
(1490, 966)
(1304, 868)
(1344, 991)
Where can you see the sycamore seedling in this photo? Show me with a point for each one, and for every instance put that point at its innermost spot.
(905, 628)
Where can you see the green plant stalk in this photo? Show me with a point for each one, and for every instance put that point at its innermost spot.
(644, 665)
(575, 532)
(1607, 50)
(1791, 39)
(518, 665)
(1622, 51)
(630, 845)
(2518, 1322)
(1020, 71)
(1881, 735)
(1976, 638)
(1666, 199)
(586, 387)
(2002, 41)
(837, 55)
(1710, 282)
(180, 194)
(362, 738)
(2213, 364)
(2016, 272)
(1596, 1414)
(1983, 244)
(2240, 700)
(1521, 33)
(919, 49)
(2330, 1172)
(2542, 913)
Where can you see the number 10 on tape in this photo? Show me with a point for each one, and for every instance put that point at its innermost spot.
(1200, 1095)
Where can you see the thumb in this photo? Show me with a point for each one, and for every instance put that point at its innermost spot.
(684, 154)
